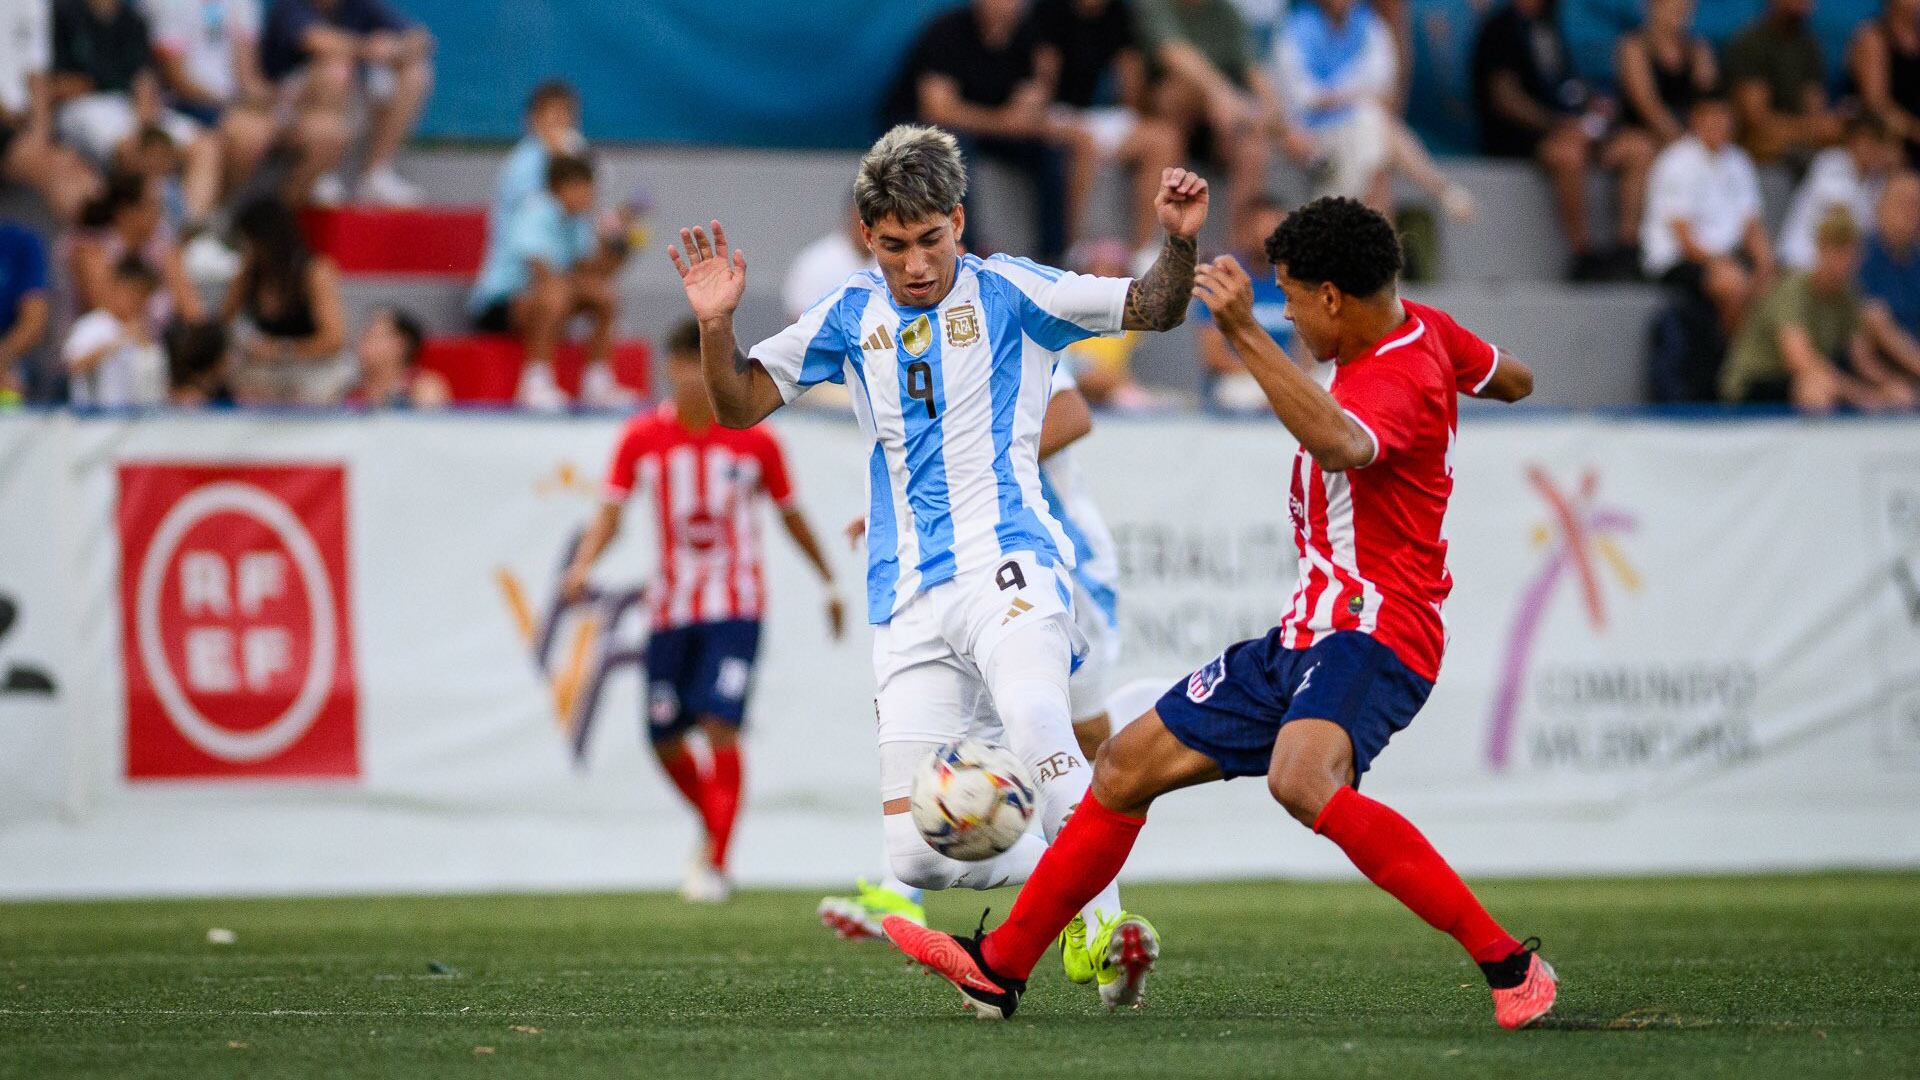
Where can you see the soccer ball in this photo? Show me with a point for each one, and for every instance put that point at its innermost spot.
(972, 799)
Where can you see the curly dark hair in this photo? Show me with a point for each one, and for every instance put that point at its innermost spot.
(1337, 240)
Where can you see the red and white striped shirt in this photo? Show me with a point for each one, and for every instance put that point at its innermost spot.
(704, 484)
(1372, 540)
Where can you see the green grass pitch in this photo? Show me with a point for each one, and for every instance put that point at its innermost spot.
(1749, 978)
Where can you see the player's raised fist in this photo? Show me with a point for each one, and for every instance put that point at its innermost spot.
(1226, 290)
(1182, 202)
(714, 278)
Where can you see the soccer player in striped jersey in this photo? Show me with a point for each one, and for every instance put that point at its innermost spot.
(950, 360)
(1354, 658)
(1096, 574)
(706, 599)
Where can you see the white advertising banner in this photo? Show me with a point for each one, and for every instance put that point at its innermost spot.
(292, 654)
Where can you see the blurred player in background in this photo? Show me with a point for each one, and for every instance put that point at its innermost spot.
(968, 580)
(1096, 574)
(1312, 703)
(709, 592)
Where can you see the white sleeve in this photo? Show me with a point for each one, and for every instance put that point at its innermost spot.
(89, 333)
(244, 17)
(172, 24)
(1668, 187)
(37, 39)
(1749, 187)
(1292, 79)
(1059, 307)
(814, 349)
(1379, 67)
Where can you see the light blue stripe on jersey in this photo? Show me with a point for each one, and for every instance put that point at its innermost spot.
(1020, 529)
(883, 539)
(1022, 261)
(827, 353)
(1104, 596)
(927, 494)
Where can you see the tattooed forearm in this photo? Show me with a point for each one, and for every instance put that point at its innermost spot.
(1158, 299)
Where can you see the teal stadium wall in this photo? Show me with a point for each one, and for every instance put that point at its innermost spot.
(779, 74)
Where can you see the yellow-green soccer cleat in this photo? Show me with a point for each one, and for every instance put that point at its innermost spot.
(858, 917)
(1123, 949)
(1073, 952)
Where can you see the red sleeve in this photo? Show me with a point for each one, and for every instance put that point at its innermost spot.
(773, 470)
(627, 452)
(1386, 402)
(1473, 357)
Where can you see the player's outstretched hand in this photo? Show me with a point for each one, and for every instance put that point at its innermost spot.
(1226, 290)
(1182, 202)
(714, 279)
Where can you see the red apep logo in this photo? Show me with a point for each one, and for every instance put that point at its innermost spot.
(235, 630)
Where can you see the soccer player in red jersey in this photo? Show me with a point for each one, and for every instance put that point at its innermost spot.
(708, 594)
(1354, 657)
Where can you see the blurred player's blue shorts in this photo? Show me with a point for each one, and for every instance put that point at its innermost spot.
(1232, 709)
(700, 670)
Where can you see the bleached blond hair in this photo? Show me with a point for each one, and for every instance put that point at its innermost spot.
(912, 173)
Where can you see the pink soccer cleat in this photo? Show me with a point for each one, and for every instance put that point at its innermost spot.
(1525, 1002)
(958, 960)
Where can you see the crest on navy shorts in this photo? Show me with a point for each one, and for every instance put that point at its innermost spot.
(917, 335)
(1201, 684)
(963, 325)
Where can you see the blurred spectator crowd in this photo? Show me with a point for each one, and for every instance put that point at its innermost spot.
(173, 143)
(176, 142)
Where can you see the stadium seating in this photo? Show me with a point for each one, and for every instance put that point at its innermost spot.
(433, 240)
(484, 369)
(1500, 273)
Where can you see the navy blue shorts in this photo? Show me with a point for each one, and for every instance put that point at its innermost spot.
(1232, 709)
(699, 671)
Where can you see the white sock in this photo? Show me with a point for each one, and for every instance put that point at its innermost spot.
(889, 881)
(1027, 676)
(916, 865)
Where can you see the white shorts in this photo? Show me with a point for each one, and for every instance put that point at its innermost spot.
(928, 660)
(99, 123)
(1355, 151)
(1092, 681)
(1110, 127)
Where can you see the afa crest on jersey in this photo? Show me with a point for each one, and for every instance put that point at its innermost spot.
(917, 335)
(963, 325)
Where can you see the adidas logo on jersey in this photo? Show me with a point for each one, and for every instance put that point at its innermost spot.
(878, 341)
(1018, 608)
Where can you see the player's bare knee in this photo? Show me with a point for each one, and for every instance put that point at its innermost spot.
(1120, 784)
(1292, 790)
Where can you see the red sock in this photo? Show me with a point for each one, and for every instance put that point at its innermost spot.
(1086, 854)
(723, 801)
(684, 771)
(1395, 856)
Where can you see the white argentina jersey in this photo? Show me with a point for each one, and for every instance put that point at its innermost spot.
(1096, 558)
(952, 396)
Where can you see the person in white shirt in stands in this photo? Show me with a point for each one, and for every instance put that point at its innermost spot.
(823, 265)
(111, 356)
(1702, 230)
(1335, 67)
(207, 54)
(28, 154)
(1850, 175)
